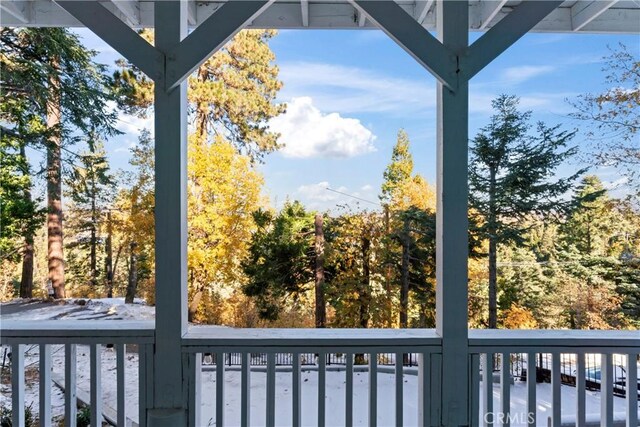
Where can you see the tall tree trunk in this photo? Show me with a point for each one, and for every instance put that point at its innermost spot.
(109, 259)
(321, 310)
(93, 258)
(26, 279)
(493, 281)
(493, 253)
(404, 278)
(365, 295)
(55, 255)
(132, 283)
(388, 268)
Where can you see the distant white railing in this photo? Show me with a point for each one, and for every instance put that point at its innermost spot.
(558, 346)
(70, 336)
(350, 342)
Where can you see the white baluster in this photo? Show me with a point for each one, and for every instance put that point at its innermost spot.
(45, 385)
(245, 390)
(17, 384)
(70, 400)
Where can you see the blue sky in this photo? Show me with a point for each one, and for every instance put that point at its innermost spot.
(350, 91)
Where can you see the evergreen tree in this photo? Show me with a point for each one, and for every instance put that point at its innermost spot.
(66, 94)
(410, 202)
(399, 171)
(133, 222)
(589, 225)
(598, 259)
(231, 95)
(90, 189)
(281, 263)
(355, 288)
(511, 176)
(20, 214)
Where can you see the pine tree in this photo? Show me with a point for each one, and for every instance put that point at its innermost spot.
(20, 214)
(232, 94)
(399, 170)
(281, 263)
(411, 202)
(133, 222)
(90, 189)
(65, 92)
(511, 176)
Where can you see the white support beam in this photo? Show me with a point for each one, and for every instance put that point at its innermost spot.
(505, 33)
(192, 13)
(452, 240)
(304, 9)
(422, 9)
(488, 11)
(362, 18)
(129, 9)
(210, 36)
(169, 403)
(583, 12)
(411, 36)
(118, 35)
(20, 11)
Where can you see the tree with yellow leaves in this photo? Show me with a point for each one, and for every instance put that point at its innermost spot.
(224, 191)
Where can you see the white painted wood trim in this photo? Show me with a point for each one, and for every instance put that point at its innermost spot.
(245, 390)
(95, 365)
(70, 387)
(44, 385)
(121, 384)
(17, 385)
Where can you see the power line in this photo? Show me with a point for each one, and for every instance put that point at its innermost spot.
(352, 196)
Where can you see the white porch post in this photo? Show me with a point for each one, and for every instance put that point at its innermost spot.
(451, 220)
(169, 403)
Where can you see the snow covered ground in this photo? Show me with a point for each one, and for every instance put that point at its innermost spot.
(79, 309)
(335, 381)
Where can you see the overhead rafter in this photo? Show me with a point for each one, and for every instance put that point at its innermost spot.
(130, 10)
(411, 36)
(20, 11)
(422, 9)
(209, 36)
(583, 12)
(117, 34)
(304, 9)
(488, 11)
(505, 33)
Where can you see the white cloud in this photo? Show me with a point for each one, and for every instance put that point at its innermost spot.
(351, 90)
(306, 132)
(522, 73)
(366, 187)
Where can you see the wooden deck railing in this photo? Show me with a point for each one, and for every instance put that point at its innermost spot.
(486, 346)
(68, 337)
(499, 353)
